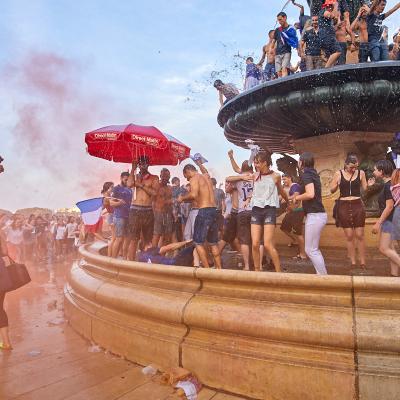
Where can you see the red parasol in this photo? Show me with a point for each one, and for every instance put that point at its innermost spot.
(125, 143)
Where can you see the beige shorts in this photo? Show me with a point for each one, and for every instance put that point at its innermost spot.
(282, 61)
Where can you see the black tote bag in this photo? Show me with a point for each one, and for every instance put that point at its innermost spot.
(18, 274)
(6, 284)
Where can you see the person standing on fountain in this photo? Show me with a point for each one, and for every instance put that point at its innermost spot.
(264, 205)
(244, 188)
(253, 74)
(292, 223)
(205, 227)
(311, 46)
(360, 25)
(141, 215)
(350, 208)
(123, 195)
(327, 33)
(163, 212)
(316, 217)
(342, 29)
(268, 52)
(378, 51)
(384, 226)
(285, 38)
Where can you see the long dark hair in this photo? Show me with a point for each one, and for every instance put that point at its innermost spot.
(106, 187)
(307, 160)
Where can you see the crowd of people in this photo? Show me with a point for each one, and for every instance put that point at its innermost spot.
(321, 40)
(153, 221)
(41, 237)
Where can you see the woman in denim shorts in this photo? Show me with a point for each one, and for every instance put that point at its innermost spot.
(264, 204)
(384, 226)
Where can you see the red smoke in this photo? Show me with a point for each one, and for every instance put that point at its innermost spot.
(54, 106)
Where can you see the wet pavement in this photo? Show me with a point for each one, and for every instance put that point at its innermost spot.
(50, 361)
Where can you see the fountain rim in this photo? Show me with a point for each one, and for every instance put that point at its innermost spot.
(309, 80)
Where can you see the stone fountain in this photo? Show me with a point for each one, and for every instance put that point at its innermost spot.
(350, 108)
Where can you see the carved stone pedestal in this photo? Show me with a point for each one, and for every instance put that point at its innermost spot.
(330, 152)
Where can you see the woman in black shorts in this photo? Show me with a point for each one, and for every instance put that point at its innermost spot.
(350, 212)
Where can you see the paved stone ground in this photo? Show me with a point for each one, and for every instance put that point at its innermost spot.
(51, 362)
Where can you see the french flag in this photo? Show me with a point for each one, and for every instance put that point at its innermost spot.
(91, 213)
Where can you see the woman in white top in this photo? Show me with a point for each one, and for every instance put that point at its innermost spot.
(264, 204)
(60, 235)
(14, 238)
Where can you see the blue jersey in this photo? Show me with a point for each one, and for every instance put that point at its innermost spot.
(123, 193)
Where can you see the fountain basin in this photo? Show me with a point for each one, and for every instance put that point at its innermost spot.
(262, 335)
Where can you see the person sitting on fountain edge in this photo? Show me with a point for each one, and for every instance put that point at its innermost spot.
(227, 90)
(157, 255)
(378, 50)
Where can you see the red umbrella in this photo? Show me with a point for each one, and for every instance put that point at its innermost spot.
(125, 143)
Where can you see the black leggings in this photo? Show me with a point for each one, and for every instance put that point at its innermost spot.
(3, 314)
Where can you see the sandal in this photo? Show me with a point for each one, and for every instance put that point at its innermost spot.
(299, 258)
(4, 347)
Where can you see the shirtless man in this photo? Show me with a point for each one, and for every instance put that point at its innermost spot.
(205, 229)
(141, 216)
(268, 51)
(342, 29)
(360, 25)
(163, 211)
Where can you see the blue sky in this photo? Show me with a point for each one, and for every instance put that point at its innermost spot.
(120, 62)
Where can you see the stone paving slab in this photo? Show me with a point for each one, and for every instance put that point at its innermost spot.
(51, 362)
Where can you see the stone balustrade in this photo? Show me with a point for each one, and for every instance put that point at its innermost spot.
(262, 335)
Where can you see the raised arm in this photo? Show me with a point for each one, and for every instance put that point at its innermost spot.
(299, 6)
(363, 178)
(194, 191)
(202, 168)
(392, 10)
(238, 178)
(132, 179)
(234, 164)
(281, 191)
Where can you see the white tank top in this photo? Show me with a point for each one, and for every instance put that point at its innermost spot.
(265, 192)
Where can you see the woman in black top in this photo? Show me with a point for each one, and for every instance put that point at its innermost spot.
(383, 170)
(350, 208)
(316, 217)
(5, 344)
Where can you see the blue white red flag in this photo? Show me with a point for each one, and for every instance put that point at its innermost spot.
(91, 210)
